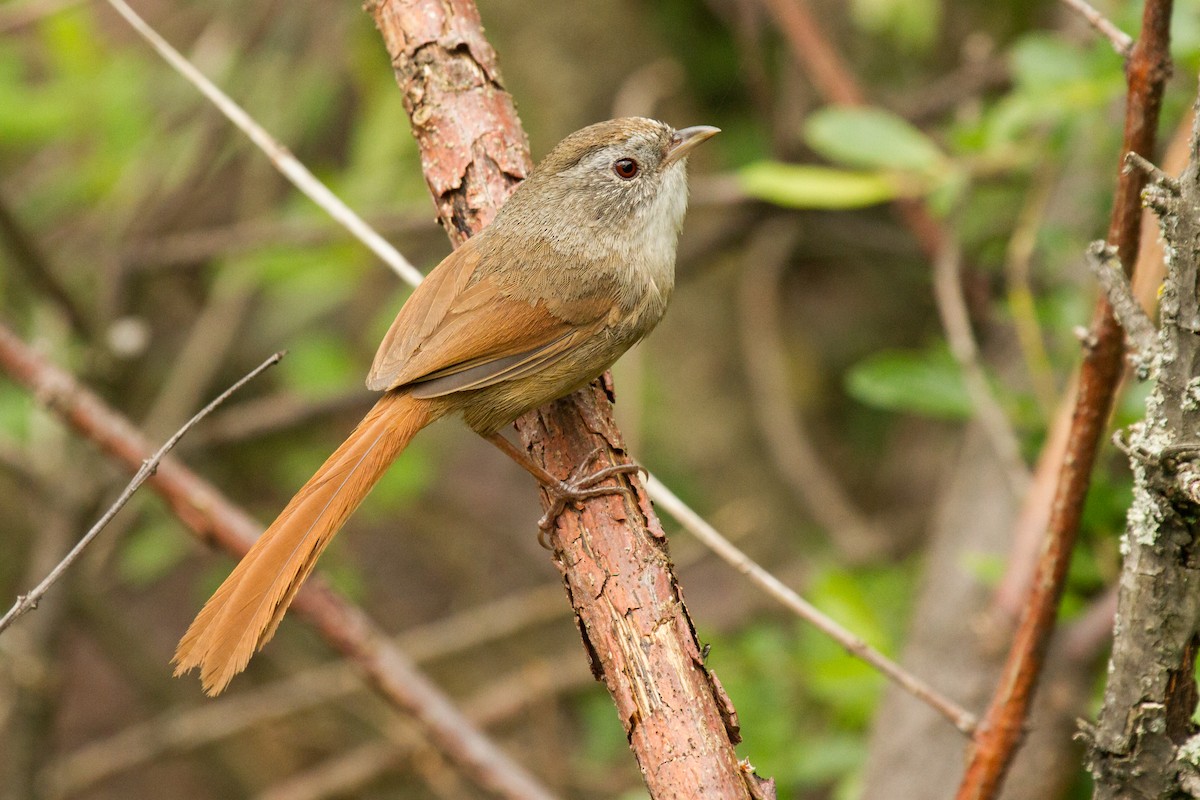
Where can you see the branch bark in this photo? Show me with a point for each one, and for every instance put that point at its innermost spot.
(612, 552)
(1145, 743)
(1000, 733)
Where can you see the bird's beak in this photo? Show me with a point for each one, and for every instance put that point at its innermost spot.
(686, 140)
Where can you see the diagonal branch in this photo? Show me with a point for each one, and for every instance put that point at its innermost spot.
(280, 156)
(1121, 41)
(216, 519)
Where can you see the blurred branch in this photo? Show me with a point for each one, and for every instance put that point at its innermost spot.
(810, 45)
(28, 602)
(178, 730)
(279, 155)
(31, 261)
(215, 519)
(952, 308)
(1121, 41)
(1017, 259)
(273, 413)
(14, 16)
(204, 351)
(502, 699)
(835, 81)
(1000, 732)
(786, 436)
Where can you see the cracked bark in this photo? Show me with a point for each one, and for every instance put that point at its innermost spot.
(1145, 744)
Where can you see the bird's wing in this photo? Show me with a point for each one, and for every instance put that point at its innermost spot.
(456, 333)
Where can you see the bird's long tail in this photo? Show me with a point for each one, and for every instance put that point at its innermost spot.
(243, 614)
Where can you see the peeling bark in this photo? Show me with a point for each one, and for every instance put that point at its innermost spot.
(1145, 744)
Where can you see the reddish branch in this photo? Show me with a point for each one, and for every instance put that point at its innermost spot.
(217, 520)
(999, 734)
(612, 554)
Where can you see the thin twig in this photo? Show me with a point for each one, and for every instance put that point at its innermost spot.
(28, 602)
(952, 308)
(279, 155)
(1003, 725)
(961, 718)
(1139, 330)
(1121, 41)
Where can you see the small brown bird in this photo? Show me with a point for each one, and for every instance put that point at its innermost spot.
(576, 267)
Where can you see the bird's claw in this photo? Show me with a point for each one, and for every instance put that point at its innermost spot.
(581, 487)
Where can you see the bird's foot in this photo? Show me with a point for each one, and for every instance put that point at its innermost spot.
(580, 486)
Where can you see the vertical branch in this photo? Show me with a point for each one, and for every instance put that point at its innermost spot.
(996, 741)
(612, 553)
(1144, 743)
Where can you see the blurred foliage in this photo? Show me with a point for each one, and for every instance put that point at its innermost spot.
(103, 150)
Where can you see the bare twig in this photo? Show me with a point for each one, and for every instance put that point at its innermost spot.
(959, 717)
(1121, 41)
(280, 156)
(1139, 330)
(28, 602)
(999, 733)
(952, 308)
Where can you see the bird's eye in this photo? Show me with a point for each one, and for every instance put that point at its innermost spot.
(625, 168)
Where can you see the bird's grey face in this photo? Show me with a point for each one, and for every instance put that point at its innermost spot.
(625, 177)
(632, 171)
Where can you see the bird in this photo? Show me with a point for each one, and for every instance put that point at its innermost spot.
(575, 268)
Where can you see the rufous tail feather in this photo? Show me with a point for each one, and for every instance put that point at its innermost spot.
(245, 611)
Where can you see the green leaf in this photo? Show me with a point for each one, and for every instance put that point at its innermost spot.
(803, 186)
(927, 383)
(872, 138)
